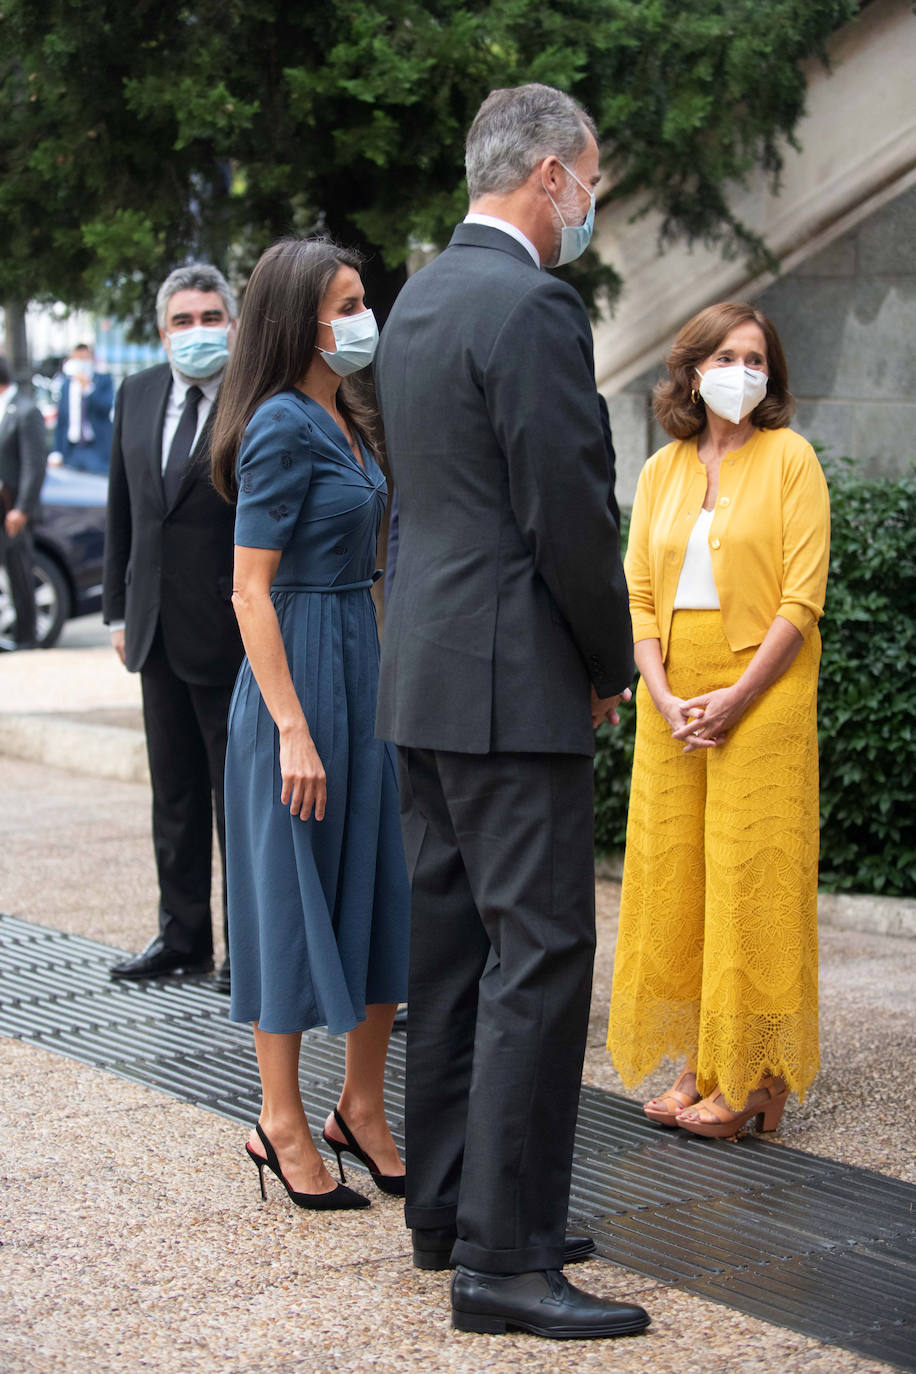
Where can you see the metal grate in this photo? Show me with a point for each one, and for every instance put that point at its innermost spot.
(806, 1243)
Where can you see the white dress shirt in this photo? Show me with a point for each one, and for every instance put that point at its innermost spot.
(512, 230)
(180, 385)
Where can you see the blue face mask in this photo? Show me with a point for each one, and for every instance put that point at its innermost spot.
(574, 238)
(356, 337)
(201, 351)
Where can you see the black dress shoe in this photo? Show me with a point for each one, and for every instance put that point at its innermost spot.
(222, 980)
(432, 1249)
(544, 1303)
(158, 959)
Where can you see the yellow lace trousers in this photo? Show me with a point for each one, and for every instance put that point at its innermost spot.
(717, 946)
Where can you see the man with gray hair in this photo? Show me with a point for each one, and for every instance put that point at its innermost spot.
(167, 601)
(507, 640)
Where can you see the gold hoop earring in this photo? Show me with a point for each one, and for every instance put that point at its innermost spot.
(694, 395)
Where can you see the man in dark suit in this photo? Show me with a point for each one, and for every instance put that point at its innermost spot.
(507, 639)
(23, 459)
(83, 432)
(167, 600)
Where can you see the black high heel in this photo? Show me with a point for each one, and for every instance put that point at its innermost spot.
(341, 1198)
(393, 1184)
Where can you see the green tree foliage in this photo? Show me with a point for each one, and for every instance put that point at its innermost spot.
(866, 697)
(133, 135)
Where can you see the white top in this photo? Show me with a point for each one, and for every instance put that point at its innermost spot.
(180, 385)
(511, 229)
(696, 589)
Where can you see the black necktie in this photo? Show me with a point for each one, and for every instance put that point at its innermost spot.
(182, 444)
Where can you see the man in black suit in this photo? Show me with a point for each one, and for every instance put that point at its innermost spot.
(508, 638)
(167, 600)
(23, 459)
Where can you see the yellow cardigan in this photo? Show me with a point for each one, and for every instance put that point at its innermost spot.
(769, 537)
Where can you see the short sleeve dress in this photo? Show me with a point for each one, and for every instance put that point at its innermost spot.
(318, 911)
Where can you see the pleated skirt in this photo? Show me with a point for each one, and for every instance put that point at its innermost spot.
(716, 957)
(318, 910)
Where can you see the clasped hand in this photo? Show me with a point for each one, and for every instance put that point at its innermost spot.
(305, 785)
(703, 721)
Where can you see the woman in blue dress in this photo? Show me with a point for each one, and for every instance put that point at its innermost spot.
(317, 886)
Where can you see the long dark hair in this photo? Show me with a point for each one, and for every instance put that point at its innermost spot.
(680, 409)
(277, 331)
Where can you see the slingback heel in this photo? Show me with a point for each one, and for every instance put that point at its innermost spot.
(340, 1199)
(394, 1184)
(727, 1123)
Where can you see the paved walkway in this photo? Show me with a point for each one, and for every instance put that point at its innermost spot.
(134, 1236)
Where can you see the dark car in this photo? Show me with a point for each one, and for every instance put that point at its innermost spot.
(69, 539)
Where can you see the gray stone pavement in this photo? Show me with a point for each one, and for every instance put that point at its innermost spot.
(133, 1233)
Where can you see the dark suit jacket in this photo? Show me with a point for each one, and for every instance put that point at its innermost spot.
(23, 454)
(93, 454)
(510, 590)
(170, 567)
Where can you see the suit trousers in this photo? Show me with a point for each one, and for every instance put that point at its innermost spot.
(500, 850)
(16, 553)
(186, 729)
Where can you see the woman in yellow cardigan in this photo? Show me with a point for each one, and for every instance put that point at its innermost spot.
(716, 960)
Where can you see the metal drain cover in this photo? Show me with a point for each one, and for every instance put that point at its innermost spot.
(805, 1243)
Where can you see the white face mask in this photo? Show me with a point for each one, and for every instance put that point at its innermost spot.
(732, 392)
(574, 238)
(77, 367)
(356, 337)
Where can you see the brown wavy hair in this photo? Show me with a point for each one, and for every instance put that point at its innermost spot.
(682, 416)
(277, 333)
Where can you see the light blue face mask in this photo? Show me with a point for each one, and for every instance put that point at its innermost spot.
(574, 238)
(356, 337)
(201, 351)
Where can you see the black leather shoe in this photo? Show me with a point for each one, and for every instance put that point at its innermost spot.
(432, 1249)
(222, 980)
(158, 959)
(544, 1303)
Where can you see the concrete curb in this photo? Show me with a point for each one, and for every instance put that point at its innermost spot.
(110, 751)
(103, 751)
(865, 912)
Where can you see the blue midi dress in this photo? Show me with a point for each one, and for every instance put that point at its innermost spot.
(318, 910)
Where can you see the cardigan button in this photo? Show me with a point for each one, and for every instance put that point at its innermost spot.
(724, 501)
(714, 543)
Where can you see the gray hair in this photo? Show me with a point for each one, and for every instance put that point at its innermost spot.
(195, 276)
(515, 129)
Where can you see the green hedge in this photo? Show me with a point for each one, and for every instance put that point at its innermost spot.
(867, 698)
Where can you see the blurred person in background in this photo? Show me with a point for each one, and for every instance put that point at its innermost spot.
(23, 460)
(83, 431)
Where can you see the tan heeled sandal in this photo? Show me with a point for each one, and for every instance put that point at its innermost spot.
(661, 1114)
(727, 1123)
